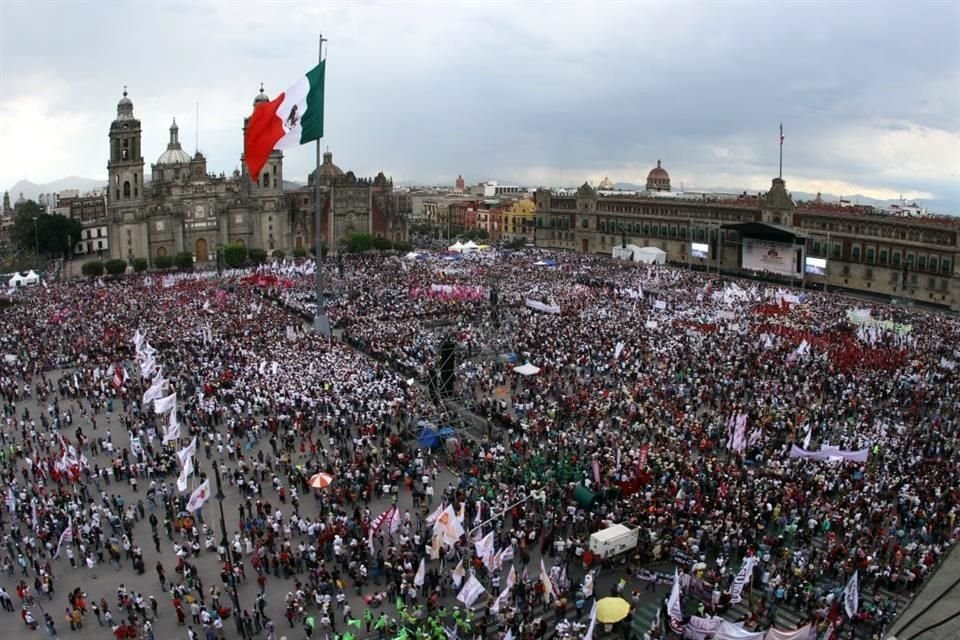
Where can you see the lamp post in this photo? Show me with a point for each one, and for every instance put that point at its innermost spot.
(219, 273)
(231, 584)
(36, 237)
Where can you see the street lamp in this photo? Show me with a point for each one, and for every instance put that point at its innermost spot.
(231, 580)
(219, 273)
(36, 236)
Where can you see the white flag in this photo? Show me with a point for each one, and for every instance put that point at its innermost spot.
(186, 454)
(806, 440)
(172, 434)
(421, 573)
(66, 536)
(742, 579)
(548, 591)
(673, 604)
(199, 496)
(851, 595)
(458, 573)
(593, 622)
(471, 591)
(485, 549)
(169, 403)
(155, 391)
(395, 521)
(448, 526)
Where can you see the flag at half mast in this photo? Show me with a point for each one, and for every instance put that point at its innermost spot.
(293, 118)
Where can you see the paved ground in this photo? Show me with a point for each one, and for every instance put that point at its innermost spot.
(103, 581)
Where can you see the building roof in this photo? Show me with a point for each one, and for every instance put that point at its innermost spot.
(763, 231)
(174, 153)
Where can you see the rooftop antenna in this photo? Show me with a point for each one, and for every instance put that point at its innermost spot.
(197, 133)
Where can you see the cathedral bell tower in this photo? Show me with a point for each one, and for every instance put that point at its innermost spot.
(125, 167)
(125, 195)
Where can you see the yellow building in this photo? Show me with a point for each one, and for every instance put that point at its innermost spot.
(519, 220)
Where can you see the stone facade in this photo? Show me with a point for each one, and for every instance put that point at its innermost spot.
(913, 259)
(184, 208)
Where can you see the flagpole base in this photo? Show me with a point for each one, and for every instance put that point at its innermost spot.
(321, 325)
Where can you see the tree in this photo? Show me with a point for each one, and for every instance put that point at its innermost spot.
(52, 233)
(139, 265)
(92, 268)
(403, 245)
(298, 252)
(381, 244)
(183, 260)
(258, 256)
(517, 243)
(163, 262)
(115, 267)
(359, 242)
(234, 255)
(279, 255)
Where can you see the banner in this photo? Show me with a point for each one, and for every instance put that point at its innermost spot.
(830, 453)
(774, 257)
(735, 631)
(536, 305)
(698, 628)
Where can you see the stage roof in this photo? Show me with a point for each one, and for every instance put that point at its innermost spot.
(764, 231)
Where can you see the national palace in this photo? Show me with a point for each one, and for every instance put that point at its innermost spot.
(906, 257)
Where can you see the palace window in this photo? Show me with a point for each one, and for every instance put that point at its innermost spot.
(945, 265)
(921, 262)
(883, 256)
(896, 258)
(934, 263)
(855, 253)
(870, 254)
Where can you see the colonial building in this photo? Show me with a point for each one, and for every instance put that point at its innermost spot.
(183, 207)
(349, 205)
(910, 258)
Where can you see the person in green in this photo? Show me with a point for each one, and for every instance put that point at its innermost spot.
(368, 619)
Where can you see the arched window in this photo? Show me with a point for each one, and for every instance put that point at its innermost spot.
(265, 183)
(134, 179)
(126, 189)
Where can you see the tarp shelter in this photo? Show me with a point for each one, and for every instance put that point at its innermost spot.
(16, 281)
(447, 432)
(470, 247)
(584, 497)
(456, 247)
(413, 255)
(31, 278)
(527, 369)
(650, 255)
(428, 438)
(547, 262)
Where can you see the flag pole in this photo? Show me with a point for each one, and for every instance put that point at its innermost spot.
(781, 151)
(321, 325)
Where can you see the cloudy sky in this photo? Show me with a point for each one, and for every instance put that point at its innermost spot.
(531, 92)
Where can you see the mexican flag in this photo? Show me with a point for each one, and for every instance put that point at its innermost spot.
(293, 118)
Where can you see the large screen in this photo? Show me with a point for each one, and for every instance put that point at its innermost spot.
(699, 250)
(775, 257)
(816, 266)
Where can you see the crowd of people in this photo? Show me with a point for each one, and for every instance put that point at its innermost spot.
(671, 401)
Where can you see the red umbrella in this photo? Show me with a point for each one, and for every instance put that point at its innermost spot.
(320, 480)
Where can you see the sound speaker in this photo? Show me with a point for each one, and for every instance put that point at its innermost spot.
(446, 367)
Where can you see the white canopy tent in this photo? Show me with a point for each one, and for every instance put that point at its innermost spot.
(470, 247)
(527, 369)
(31, 278)
(456, 246)
(629, 252)
(650, 255)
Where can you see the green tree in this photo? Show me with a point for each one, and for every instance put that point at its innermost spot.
(382, 244)
(163, 262)
(139, 265)
(258, 256)
(183, 260)
(115, 267)
(33, 230)
(298, 252)
(517, 243)
(279, 255)
(359, 242)
(234, 255)
(403, 245)
(92, 268)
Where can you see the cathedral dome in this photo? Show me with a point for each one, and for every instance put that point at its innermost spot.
(606, 184)
(174, 153)
(328, 169)
(658, 179)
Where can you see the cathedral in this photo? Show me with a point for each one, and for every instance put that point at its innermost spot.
(181, 207)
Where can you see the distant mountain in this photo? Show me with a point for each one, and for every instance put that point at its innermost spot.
(31, 190)
(290, 185)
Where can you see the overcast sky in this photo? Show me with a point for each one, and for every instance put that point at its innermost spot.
(534, 93)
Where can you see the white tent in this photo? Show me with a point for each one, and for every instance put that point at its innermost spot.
(526, 369)
(456, 246)
(650, 255)
(16, 281)
(413, 255)
(625, 253)
(31, 278)
(471, 247)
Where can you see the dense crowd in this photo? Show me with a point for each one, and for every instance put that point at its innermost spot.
(666, 400)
